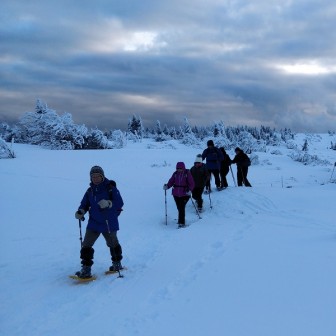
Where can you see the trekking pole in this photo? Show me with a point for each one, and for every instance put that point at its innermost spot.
(210, 201)
(333, 172)
(166, 206)
(234, 180)
(199, 216)
(80, 230)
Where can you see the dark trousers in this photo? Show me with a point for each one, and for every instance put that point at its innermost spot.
(223, 172)
(181, 203)
(197, 196)
(215, 173)
(242, 177)
(87, 251)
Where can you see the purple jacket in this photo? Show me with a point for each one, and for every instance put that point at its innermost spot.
(181, 181)
(98, 218)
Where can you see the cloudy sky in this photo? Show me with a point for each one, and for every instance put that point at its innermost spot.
(257, 62)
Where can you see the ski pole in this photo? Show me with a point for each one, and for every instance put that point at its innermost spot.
(234, 180)
(210, 201)
(80, 230)
(166, 206)
(199, 216)
(333, 172)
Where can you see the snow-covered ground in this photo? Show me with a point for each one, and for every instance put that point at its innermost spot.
(261, 262)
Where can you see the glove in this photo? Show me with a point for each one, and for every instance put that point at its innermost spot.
(79, 214)
(165, 187)
(188, 193)
(105, 204)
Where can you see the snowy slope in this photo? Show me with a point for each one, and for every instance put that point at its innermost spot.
(261, 262)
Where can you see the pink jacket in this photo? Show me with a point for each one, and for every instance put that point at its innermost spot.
(181, 181)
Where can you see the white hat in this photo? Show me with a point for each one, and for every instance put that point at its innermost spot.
(198, 159)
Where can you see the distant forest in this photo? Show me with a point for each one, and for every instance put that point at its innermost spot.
(44, 127)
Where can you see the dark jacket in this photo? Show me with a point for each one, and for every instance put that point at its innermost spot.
(241, 159)
(200, 175)
(98, 218)
(226, 162)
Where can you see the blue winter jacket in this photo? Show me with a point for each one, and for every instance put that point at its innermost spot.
(213, 157)
(100, 218)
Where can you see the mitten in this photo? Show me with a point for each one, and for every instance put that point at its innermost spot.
(79, 214)
(105, 204)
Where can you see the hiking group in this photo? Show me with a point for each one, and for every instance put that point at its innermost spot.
(103, 202)
(192, 183)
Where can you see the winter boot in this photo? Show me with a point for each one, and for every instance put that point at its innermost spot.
(116, 266)
(85, 272)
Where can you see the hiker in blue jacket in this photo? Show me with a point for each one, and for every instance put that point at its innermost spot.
(104, 203)
(213, 157)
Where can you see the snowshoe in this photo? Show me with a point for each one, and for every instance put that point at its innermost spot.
(84, 273)
(116, 266)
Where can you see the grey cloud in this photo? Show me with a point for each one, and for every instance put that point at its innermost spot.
(210, 61)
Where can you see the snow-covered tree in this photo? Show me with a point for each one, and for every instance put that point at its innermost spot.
(96, 140)
(159, 135)
(305, 146)
(46, 128)
(135, 127)
(118, 139)
(6, 151)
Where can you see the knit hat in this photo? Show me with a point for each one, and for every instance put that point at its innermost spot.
(198, 158)
(210, 143)
(180, 165)
(97, 170)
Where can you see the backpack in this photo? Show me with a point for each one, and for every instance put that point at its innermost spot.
(247, 161)
(212, 155)
(186, 178)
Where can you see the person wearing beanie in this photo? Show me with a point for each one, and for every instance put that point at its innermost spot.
(183, 184)
(104, 203)
(213, 157)
(224, 168)
(243, 162)
(201, 176)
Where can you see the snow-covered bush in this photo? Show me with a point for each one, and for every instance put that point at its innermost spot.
(276, 152)
(291, 145)
(249, 144)
(46, 128)
(5, 151)
(96, 140)
(117, 139)
(254, 159)
(307, 159)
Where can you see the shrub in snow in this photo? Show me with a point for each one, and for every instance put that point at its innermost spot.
(96, 140)
(291, 145)
(5, 151)
(276, 152)
(249, 144)
(46, 128)
(307, 159)
(254, 159)
(118, 139)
